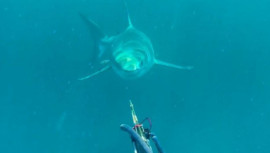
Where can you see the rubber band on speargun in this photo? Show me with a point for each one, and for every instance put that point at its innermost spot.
(149, 121)
(157, 144)
(135, 136)
(146, 130)
(140, 124)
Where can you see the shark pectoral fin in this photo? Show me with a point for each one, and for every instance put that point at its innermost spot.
(95, 30)
(159, 62)
(95, 73)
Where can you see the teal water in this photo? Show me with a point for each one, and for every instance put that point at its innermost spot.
(222, 105)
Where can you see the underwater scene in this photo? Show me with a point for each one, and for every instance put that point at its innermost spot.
(112, 76)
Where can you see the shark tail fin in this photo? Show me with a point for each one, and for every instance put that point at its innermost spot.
(95, 73)
(130, 25)
(159, 62)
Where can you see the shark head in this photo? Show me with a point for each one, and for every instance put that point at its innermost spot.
(133, 55)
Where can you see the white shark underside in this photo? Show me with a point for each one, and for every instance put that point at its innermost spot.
(130, 54)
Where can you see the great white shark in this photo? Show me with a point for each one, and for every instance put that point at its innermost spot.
(130, 54)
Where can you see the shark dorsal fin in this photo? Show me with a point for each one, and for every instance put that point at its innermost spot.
(95, 30)
(130, 25)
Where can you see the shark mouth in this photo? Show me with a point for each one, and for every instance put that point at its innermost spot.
(130, 60)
